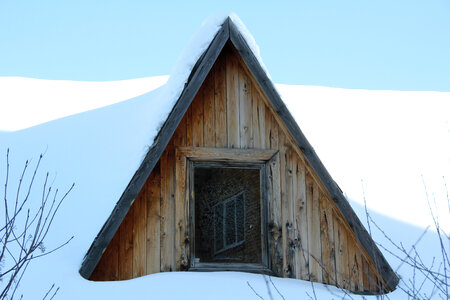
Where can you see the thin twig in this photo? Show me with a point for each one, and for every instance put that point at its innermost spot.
(259, 296)
(31, 234)
(281, 295)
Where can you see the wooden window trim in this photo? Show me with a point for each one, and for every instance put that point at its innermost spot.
(225, 154)
(184, 240)
(248, 267)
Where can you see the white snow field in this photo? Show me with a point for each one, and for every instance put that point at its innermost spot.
(395, 144)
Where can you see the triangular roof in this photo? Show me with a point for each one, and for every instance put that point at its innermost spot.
(231, 30)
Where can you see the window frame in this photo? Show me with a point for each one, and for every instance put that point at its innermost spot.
(186, 159)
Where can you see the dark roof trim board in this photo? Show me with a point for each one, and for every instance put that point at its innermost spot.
(333, 189)
(230, 32)
(196, 78)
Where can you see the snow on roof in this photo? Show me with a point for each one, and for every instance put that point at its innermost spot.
(382, 137)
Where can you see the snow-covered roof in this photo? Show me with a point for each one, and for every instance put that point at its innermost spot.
(179, 94)
(95, 150)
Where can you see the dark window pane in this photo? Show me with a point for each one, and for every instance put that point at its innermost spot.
(240, 217)
(218, 227)
(230, 223)
(227, 204)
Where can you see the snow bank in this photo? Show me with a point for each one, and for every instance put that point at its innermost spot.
(390, 140)
(26, 102)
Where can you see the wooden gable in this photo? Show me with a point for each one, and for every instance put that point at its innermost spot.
(308, 236)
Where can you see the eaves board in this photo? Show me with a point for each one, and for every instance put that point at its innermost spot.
(195, 80)
(350, 216)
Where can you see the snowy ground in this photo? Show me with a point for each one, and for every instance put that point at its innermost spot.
(393, 141)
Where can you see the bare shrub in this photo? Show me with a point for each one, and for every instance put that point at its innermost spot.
(428, 280)
(24, 229)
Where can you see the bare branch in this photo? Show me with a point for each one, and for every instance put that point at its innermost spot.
(22, 235)
(259, 296)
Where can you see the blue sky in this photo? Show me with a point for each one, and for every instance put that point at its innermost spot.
(385, 44)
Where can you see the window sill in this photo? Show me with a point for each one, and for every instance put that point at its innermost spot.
(214, 267)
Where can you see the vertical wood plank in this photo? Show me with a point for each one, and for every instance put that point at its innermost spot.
(275, 223)
(315, 262)
(339, 252)
(180, 134)
(245, 110)
(220, 98)
(186, 254)
(353, 263)
(302, 224)
(365, 271)
(168, 209)
(256, 121)
(197, 119)
(179, 140)
(345, 262)
(268, 128)
(327, 241)
(189, 127)
(153, 197)
(208, 111)
(291, 185)
(358, 258)
(275, 134)
(139, 232)
(376, 281)
(309, 215)
(232, 83)
(353, 268)
(284, 202)
(373, 280)
(261, 121)
(316, 248)
(112, 265)
(126, 246)
(342, 266)
(181, 214)
(107, 268)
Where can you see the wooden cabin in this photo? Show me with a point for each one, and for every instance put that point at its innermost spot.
(231, 183)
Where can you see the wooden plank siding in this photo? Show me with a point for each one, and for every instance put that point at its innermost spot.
(275, 221)
(139, 235)
(232, 92)
(168, 209)
(208, 112)
(180, 140)
(307, 237)
(327, 240)
(153, 245)
(291, 183)
(284, 185)
(220, 103)
(342, 265)
(301, 225)
(108, 267)
(314, 241)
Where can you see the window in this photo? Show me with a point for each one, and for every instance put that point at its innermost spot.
(228, 214)
(222, 199)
